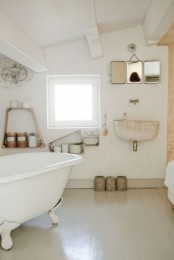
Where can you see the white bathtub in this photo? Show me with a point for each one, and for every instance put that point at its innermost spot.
(169, 181)
(30, 185)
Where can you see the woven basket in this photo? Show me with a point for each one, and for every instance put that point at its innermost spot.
(121, 183)
(110, 183)
(99, 183)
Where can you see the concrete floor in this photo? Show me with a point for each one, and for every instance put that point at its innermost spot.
(137, 224)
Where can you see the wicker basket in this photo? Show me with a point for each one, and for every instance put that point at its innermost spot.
(99, 183)
(110, 183)
(121, 183)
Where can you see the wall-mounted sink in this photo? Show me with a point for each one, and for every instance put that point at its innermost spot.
(136, 130)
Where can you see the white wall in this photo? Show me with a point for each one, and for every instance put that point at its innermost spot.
(112, 156)
(16, 44)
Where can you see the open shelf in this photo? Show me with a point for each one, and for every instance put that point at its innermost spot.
(72, 139)
(40, 141)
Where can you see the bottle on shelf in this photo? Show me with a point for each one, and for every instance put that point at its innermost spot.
(32, 140)
(22, 140)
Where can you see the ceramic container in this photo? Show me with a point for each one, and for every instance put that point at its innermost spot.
(14, 104)
(25, 104)
(58, 149)
(65, 148)
(75, 148)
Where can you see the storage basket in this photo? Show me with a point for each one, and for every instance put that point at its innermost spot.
(121, 183)
(110, 183)
(99, 183)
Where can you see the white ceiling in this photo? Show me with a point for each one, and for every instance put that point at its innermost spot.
(55, 21)
(28, 26)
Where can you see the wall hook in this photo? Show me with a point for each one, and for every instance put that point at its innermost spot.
(134, 101)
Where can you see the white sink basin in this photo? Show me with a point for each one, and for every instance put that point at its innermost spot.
(136, 130)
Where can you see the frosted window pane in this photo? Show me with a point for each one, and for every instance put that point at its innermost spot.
(73, 102)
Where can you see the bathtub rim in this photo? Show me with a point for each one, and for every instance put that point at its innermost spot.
(76, 159)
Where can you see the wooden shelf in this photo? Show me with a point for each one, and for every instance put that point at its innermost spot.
(72, 138)
(30, 110)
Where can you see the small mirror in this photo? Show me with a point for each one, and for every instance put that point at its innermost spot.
(117, 72)
(134, 72)
(151, 71)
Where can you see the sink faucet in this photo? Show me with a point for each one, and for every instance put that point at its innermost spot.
(134, 101)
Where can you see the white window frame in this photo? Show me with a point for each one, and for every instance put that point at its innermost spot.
(52, 80)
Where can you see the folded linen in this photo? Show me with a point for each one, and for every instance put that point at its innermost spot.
(169, 179)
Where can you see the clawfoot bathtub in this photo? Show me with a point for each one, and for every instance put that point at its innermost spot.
(30, 185)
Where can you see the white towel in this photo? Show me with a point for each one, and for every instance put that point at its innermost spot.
(169, 180)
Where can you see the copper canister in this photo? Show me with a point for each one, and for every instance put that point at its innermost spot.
(10, 140)
(22, 140)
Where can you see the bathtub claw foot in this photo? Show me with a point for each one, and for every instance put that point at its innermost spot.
(5, 230)
(54, 217)
(6, 241)
(52, 213)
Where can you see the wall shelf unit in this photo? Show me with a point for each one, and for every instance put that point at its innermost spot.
(40, 141)
(91, 140)
(75, 142)
(74, 138)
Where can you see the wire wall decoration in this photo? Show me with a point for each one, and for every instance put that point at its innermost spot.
(13, 75)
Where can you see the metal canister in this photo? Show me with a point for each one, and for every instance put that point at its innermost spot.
(121, 183)
(110, 183)
(99, 183)
(10, 140)
(22, 141)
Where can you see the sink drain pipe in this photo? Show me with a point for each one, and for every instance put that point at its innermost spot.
(135, 146)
